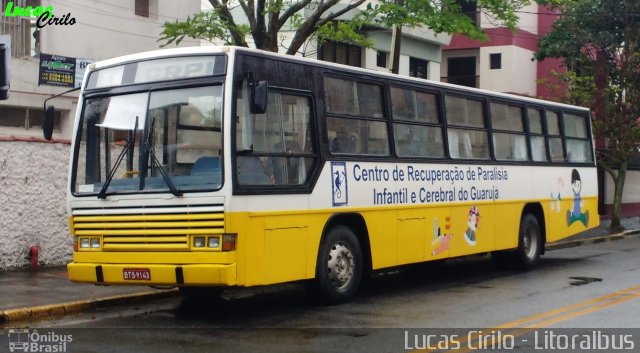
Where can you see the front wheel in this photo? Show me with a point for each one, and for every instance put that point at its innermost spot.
(340, 265)
(529, 243)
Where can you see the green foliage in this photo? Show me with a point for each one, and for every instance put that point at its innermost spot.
(342, 31)
(569, 87)
(263, 19)
(208, 25)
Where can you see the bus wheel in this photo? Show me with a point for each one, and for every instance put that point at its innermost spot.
(529, 243)
(339, 268)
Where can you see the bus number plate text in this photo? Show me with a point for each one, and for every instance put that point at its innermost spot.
(140, 274)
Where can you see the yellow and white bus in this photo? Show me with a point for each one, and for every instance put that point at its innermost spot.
(224, 166)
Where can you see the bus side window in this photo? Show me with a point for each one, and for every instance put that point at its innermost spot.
(206, 165)
(343, 143)
(287, 170)
(277, 146)
(252, 171)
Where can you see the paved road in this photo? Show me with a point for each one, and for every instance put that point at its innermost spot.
(589, 287)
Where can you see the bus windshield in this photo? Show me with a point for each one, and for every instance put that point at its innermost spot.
(156, 141)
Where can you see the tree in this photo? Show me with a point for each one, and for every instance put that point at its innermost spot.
(599, 41)
(231, 21)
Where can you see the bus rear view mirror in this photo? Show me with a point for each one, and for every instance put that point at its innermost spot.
(259, 96)
(47, 124)
(50, 113)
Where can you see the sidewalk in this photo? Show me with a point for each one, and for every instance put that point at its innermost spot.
(597, 235)
(26, 295)
(30, 296)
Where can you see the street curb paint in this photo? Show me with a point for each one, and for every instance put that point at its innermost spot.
(56, 311)
(595, 240)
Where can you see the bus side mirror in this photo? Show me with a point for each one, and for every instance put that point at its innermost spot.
(259, 95)
(4, 71)
(47, 124)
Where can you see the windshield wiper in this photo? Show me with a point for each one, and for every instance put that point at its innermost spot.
(130, 143)
(151, 152)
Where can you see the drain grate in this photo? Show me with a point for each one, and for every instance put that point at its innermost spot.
(581, 281)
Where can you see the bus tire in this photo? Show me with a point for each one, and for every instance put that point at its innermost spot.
(530, 245)
(340, 266)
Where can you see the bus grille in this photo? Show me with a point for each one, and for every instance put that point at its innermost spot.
(149, 229)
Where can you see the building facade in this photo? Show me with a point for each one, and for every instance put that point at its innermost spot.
(420, 52)
(33, 172)
(504, 62)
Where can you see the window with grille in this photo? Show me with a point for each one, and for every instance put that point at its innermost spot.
(24, 35)
(418, 68)
(341, 53)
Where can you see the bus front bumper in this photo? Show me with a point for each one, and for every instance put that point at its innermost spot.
(154, 274)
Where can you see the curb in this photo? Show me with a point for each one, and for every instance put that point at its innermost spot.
(594, 240)
(56, 311)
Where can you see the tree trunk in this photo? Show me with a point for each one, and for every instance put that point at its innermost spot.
(616, 212)
(396, 39)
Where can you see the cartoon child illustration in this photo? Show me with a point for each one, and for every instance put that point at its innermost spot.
(440, 241)
(473, 221)
(576, 214)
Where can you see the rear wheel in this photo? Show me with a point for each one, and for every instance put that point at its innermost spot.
(527, 255)
(340, 266)
(530, 244)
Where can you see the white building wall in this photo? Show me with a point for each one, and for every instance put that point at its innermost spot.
(434, 70)
(528, 19)
(370, 58)
(33, 182)
(516, 75)
(109, 28)
(403, 67)
(631, 193)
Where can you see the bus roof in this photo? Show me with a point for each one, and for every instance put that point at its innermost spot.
(230, 49)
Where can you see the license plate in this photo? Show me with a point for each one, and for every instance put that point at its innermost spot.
(139, 274)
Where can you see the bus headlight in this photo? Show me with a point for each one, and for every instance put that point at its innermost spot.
(89, 243)
(213, 242)
(84, 243)
(199, 242)
(95, 243)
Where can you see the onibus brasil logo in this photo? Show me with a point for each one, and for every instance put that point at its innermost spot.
(44, 14)
(24, 340)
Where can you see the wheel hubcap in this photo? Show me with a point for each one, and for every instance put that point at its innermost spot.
(530, 241)
(340, 265)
